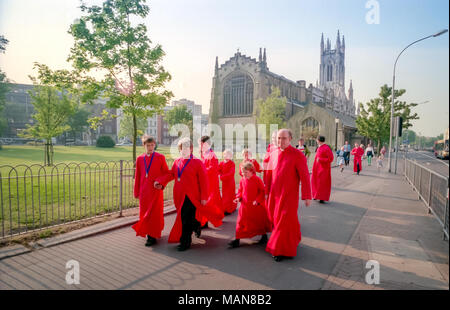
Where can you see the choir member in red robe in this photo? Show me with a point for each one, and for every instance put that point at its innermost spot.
(190, 194)
(226, 173)
(149, 166)
(270, 148)
(357, 153)
(321, 172)
(211, 163)
(289, 169)
(253, 218)
(248, 158)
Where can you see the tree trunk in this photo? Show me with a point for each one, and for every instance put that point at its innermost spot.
(134, 137)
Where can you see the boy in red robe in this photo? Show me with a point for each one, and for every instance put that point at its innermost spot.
(190, 194)
(321, 172)
(252, 219)
(211, 163)
(282, 189)
(248, 158)
(149, 166)
(357, 153)
(226, 173)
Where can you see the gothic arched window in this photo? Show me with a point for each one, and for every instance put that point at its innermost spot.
(310, 131)
(238, 96)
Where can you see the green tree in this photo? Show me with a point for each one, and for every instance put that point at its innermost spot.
(53, 103)
(78, 120)
(180, 115)
(410, 135)
(106, 40)
(272, 110)
(373, 121)
(127, 128)
(4, 87)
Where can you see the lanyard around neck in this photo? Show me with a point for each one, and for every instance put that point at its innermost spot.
(145, 164)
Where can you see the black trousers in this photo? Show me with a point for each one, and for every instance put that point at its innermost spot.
(347, 158)
(188, 222)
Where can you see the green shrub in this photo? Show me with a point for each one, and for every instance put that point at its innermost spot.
(105, 141)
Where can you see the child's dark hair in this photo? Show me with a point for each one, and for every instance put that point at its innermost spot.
(148, 139)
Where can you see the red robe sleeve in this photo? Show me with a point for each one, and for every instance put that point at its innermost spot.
(169, 175)
(260, 198)
(202, 181)
(137, 179)
(257, 166)
(303, 172)
(326, 156)
(240, 190)
(226, 171)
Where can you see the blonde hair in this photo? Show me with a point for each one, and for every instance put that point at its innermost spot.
(248, 166)
(184, 141)
(246, 151)
(227, 151)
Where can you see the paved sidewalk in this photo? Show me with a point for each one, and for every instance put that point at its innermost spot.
(374, 216)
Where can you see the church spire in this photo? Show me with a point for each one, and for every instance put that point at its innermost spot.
(321, 45)
(260, 55)
(338, 42)
(264, 57)
(216, 68)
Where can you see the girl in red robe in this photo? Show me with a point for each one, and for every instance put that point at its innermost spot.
(211, 163)
(270, 148)
(253, 218)
(357, 153)
(321, 172)
(149, 166)
(226, 172)
(248, 158)
(190, 194)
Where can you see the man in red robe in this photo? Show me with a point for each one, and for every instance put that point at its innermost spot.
(282, 190)
(253, 218)
(357, 153)
(226, 171)
(190, 194)
(149, 166)
(211, 163)
(321, 172)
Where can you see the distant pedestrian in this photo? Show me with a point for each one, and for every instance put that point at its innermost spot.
(357, 153)
(383, 152)
(341, 158)
(321, 172)
(347, 150)
(369, 153)
(303, 148)
(226, 174)
(380, 162)
(253, 219)
(247, 154)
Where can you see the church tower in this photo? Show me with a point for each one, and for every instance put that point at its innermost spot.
(332, 66)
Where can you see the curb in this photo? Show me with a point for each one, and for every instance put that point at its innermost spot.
(78, 234)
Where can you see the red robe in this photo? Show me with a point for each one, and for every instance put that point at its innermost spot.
(321, 173)
(226, 172)
(151, 201)
(357, 153)
(266, 160)
(193, 183)
(289, 169)
(252, 220)
(212, 172)
(255, 164)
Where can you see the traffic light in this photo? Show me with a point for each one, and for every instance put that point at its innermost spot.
(399, 125)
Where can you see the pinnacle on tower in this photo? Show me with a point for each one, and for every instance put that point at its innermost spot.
(260, 55)
(321, 44)
(264, 57)
(217, 65)
(338, 41)
(343, 43)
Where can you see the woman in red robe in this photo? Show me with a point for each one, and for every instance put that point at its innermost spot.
(252, 219)
(289, 169)
(149, 166)
(248, 158)
(270, 148)
(190, 194)
(357, 153)
(321, 172)
(226, 173)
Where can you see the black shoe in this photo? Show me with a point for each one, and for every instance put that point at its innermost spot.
(342, 169)
(321, 201)
(278, 258)
(226, 213)
(182, 247)
(234, 244)
(205, 226)
(263, 239)
(198, 232)
(150, 241)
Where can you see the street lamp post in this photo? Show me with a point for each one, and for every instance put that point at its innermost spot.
(393, 94)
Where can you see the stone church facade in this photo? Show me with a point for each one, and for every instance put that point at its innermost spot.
(324, 109)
